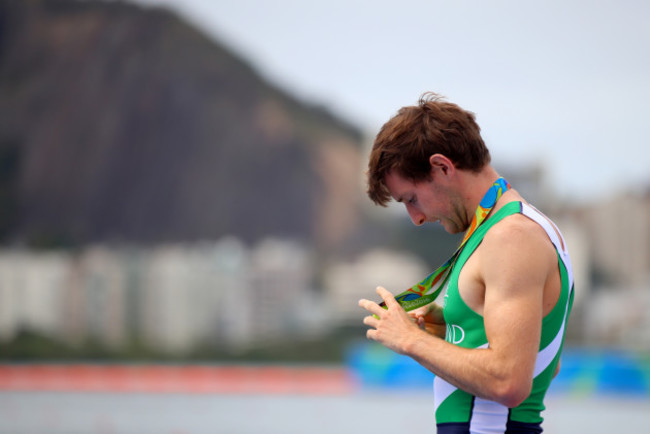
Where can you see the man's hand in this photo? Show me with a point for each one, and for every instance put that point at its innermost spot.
(392, 327)
(431, 319)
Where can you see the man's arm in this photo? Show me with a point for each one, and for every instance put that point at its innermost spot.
(514, 264)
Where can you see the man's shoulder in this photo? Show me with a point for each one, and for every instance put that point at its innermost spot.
(517, 230)
(517, 246)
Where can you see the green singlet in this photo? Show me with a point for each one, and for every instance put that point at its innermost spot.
(460, 412)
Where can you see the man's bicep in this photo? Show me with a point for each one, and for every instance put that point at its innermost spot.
(513, 322)
(514, 276)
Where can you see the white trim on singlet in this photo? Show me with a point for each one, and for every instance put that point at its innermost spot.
(553, 233)
(546, 355)
(488, 417)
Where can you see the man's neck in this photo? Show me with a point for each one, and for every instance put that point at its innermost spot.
(474, 185)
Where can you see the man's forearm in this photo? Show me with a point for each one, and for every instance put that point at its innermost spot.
(480, 372)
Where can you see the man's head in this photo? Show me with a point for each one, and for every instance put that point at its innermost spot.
(407, 141)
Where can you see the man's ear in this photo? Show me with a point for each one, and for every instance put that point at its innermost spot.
(441, 164)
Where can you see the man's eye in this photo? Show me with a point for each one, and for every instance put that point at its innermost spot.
(412, 200)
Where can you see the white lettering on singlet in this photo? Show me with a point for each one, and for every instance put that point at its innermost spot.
(455, 334)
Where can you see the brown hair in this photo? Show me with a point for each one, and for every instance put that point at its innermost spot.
(409, 138)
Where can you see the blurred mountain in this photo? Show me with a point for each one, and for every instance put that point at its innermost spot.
(125, 123)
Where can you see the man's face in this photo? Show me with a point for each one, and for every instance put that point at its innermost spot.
(428, 201)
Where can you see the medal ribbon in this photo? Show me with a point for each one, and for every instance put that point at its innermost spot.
(427, 290)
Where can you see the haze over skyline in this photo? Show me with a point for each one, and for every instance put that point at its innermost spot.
(562, 83)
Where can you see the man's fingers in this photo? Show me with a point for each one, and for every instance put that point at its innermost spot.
(371, 321)
(371, 307)
(388, 298)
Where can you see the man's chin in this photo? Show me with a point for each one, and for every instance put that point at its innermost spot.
(451, 228)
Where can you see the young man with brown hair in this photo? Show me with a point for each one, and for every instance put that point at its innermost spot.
(495, 343)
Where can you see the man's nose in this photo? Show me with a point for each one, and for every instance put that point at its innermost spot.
(416, 216)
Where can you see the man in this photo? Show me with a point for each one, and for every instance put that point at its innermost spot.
(494, 345)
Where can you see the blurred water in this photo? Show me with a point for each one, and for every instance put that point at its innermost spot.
(375, 412)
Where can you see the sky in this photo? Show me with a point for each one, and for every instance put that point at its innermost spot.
(563, 84)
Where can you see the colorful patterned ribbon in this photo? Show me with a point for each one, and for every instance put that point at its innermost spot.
(427, 290)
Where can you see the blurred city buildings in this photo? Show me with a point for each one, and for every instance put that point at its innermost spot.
(227, 294)
(171, 297)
